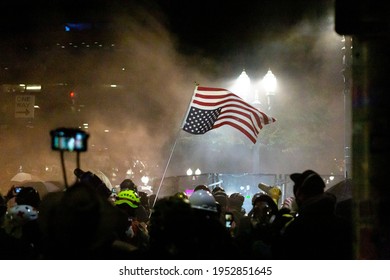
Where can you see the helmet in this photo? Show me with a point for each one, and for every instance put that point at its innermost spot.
(181, 196)
(217, 189)
(221, 197)
(129, 197)
(21, 214)
(128, 184)
(236, 200)
(28, 196)
(201, 187)
(267, 199)
(256, 196)
(273, 191)
(203, 200)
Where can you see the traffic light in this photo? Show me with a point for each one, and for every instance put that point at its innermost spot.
(72, 96)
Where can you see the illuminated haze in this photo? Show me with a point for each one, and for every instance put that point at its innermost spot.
(144, 117)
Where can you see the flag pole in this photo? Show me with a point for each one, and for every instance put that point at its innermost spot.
(173, 147)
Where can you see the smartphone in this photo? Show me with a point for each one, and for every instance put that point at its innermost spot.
(17, 189)
(228, 219)
(69, 139)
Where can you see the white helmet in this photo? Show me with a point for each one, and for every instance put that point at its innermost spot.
(20, 214)
(203, 200)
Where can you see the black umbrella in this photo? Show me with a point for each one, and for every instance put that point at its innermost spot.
(342, 190)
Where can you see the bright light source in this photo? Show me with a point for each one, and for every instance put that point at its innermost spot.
(129, 172)
(242, 85)
(145, 180)
(198, 172)
(269, 83)
(189, 171)
(33, 87)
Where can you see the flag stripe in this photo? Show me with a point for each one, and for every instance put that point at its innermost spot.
(237, 115)
(230, 100)
(211, 89)
(253, 112)
(232, 111)
(239, 127)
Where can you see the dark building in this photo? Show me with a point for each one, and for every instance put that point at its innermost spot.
(65, 64)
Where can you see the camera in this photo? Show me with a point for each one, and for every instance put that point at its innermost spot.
(69, 139)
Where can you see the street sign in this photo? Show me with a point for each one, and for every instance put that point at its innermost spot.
(24, 106)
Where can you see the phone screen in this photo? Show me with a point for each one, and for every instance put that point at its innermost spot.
(18, 189)
(69, 140)
(228, 220)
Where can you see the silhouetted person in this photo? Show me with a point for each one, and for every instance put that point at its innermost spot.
(257, 230)
(173, 229)
(80, 223)
(214, 240)
(316, 232)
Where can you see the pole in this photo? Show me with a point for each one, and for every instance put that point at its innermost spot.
(63, 168)
(174, 145)
(347, 62)
(165, 170)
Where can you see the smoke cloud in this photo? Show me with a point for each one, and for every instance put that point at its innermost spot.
(154, 83)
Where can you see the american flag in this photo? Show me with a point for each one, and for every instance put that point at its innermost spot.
(211, 108)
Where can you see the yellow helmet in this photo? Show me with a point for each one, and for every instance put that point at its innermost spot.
(273, 191)
(129, 197)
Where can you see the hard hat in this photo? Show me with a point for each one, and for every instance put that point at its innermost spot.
(181, 195)
(21, 214)
(273, 191)
(130, 197)
(203, 200)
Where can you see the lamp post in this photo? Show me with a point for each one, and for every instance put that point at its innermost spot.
(194, 175)
(269, 84)
(242, 86)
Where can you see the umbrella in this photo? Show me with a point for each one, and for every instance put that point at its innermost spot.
(342, 190)
(43, 187)
(22, 176)
(103, 177)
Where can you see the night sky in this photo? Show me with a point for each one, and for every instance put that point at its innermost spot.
(214, 28)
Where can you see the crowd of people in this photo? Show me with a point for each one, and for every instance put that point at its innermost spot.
(90, 221)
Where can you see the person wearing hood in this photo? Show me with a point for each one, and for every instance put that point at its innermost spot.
(316, 232)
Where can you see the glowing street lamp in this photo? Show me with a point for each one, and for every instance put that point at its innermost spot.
(145, 180)
(269, 84)
(242, 86)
